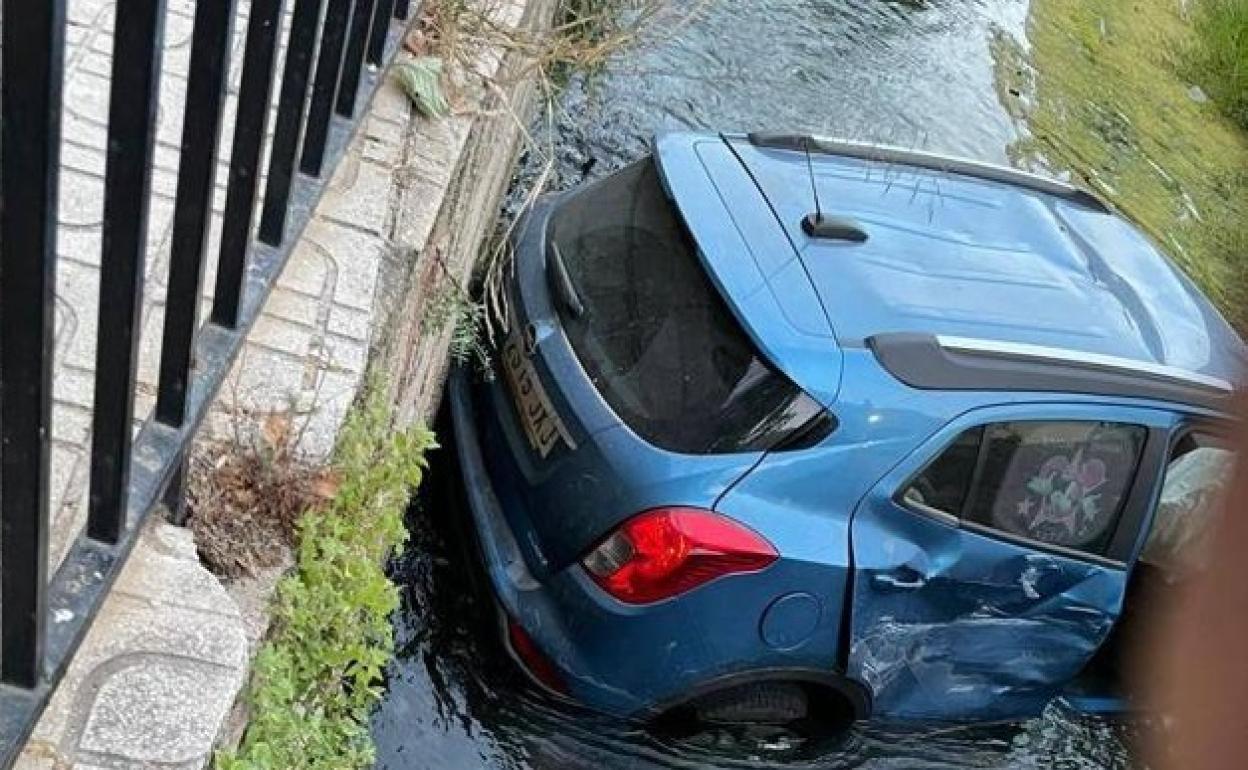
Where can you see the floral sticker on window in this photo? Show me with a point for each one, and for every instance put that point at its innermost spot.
(1062, 503)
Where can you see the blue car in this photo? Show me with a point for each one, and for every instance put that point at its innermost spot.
(787, 428)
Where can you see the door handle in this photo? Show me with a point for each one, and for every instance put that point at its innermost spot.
(908, 580)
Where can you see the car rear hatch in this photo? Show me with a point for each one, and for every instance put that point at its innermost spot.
(627, 380)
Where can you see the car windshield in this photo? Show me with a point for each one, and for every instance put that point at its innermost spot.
(1196, 479)
(653, 332)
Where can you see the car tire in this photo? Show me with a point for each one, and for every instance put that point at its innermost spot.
(773, 703)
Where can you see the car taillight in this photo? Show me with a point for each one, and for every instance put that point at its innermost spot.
(668, 551)
(533, 659)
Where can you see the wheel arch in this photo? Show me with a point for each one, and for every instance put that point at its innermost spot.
(856, 695)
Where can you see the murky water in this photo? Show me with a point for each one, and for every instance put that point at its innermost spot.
(916, 73)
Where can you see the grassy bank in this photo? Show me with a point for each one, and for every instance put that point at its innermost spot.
(317, 676)
(1106, 91)
(1218, 59)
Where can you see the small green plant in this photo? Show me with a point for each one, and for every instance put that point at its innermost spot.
(1218, 61)
(451, 306)
(421, 79)
(317, 677)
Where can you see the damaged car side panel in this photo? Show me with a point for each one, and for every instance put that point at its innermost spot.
(952, 616)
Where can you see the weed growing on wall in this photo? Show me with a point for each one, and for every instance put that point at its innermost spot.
(318, 675)
(454, 308)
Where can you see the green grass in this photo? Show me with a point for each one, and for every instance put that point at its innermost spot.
(1218, 60)
(318, 675)
(1106, 96)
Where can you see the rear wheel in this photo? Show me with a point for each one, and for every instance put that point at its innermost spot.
(802, 710)
(762, 703)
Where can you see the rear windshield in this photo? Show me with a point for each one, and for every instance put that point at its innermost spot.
(652, 331)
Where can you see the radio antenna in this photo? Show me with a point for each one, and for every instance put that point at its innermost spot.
(814, 188)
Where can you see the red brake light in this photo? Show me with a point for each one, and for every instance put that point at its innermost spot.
(668, 551)
(533, 659)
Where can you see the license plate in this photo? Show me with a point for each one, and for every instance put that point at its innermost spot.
(542, 425)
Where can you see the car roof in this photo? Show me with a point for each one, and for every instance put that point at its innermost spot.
(963, 250)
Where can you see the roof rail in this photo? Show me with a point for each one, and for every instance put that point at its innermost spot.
(883, 153)
(1044, 354)
(939, 362)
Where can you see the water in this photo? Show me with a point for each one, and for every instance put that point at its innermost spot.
(916, 73)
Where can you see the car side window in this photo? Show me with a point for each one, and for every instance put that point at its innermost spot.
(1060, 483)
(943, 486)
(1197, 476)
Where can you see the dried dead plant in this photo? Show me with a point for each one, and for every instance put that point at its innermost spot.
(246, 496)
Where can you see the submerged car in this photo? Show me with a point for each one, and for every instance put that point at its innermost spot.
(785, 427)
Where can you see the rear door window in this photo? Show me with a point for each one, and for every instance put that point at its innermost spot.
(652, 331)
(945, 484)
(1058, 483)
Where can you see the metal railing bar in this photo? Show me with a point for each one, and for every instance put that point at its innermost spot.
(290, 115)
(353, 59)
(377, 37)
(133, 97)
(325, 85)
(89, 570)
(33, 41)
(259, 59)
(197, 167)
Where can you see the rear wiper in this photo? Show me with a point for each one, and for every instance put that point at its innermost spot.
(561, 283)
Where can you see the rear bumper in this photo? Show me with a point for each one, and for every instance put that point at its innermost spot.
(521, 597)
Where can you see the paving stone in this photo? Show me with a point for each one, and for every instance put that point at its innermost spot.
(358, 196)
(383, 142)
(164, 711)
(86, 96)
(345, 354)
(336, 393)
(350, 322)
(87, 11)
(90, 160)
(82, 200)
(391, 104)
(312, 270)
(67, 490)
(295, 307)
(356, 257)
(292, 338)
(78, 286)
(158, 671)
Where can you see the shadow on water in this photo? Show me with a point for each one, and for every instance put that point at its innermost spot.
(916, 73)
(455, 701)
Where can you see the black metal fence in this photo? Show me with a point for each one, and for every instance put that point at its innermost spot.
(316, 111)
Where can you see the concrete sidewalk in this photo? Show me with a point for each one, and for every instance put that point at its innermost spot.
(161, 668)
(158, 673)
